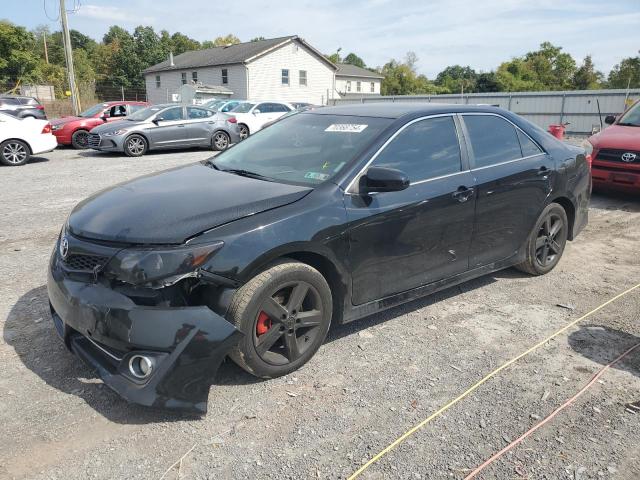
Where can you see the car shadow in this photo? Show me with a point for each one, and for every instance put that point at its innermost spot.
(88, 153)
(32, 161)
(614, 200)
(602, 345)
(30, 331)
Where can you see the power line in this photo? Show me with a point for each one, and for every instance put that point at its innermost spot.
(44, 5)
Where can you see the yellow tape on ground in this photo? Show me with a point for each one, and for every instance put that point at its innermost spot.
(446, 407)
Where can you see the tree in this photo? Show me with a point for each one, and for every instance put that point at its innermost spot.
(353, 59)
(400, 78)
(587, 77)
(181, 43)
(457, 78)
(257, 39)
(335, 57)
(554, 70)
(626, 73)
(229, 39)
(487, 82)
(517, 76)
(17, 58)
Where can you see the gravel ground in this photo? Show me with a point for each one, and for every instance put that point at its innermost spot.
(370, 382)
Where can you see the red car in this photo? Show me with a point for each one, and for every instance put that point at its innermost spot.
(616, 153)
(75, 130)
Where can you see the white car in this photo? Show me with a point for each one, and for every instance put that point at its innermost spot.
(251, 116)
(21, 138)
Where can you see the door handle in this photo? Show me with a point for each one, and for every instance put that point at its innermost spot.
(463, 194)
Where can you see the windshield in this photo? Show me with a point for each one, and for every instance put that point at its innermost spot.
(244, 107)
(305, 149)
(632, 117)
(93, 111)
(145, 113)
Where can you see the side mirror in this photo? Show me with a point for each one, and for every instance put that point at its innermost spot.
(157, 120)
(256, 112)
(609, 119)
(383, 179)
(104, 118)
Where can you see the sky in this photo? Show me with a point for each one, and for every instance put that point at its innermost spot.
(479, 33)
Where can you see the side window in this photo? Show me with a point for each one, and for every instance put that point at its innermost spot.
(528, 147)
(285, 76)
(174, 113)
(426, 149)
(193, 113)
(278, 107)
(493, 139)
(225, 76)
(264, 108)
(229, 106)
(118, 111)
(184, 78)
(135, 108)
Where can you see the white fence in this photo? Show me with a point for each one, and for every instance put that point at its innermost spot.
(579, 108)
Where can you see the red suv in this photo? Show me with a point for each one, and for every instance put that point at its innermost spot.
(616, 152)
(75, 130)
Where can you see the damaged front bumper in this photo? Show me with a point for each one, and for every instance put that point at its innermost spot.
(106, 329)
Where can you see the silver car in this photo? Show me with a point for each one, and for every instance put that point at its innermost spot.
(161, 127)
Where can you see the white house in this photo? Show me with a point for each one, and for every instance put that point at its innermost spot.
(285, 68)
(356, 82)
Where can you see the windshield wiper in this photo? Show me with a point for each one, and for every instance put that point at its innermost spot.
(243, 173)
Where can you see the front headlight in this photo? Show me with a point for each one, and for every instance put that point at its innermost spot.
(588, 147)
(159, 267)
(114, 133)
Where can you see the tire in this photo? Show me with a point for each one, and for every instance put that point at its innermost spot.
(273, 346)
(220, 141)
(135, 145)
(243, 131)
(80, 139)
(14, 153)
(546, 242)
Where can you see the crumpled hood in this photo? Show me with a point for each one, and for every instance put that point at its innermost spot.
(619, 137)
(170, 207)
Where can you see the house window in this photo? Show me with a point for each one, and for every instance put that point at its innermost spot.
(285, 76)
(348, 85)
(303, 77)
(373, 87)
(157, 81)
(184, 78)
(194, 77)
(225, 76)
(358, 86)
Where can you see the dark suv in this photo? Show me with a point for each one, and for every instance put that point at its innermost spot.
(22, 107)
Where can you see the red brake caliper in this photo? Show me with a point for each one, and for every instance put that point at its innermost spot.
(263, 325)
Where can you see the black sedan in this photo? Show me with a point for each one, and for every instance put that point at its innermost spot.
(327, 216)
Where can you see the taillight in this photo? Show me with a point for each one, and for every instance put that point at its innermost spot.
(232, 120)
(40, 107)
(589, 161)
(47, 128)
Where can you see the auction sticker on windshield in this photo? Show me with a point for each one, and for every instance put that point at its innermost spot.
(345, 128)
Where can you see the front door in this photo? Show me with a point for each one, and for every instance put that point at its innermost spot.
(169, 128)
(402, 240)
(513, 177)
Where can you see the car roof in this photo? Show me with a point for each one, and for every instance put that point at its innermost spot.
(125, 102)
(400, 109)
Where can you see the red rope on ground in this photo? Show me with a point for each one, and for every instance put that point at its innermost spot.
(548, 418)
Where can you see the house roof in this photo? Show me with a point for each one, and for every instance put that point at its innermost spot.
(346, 70)
(228, 55)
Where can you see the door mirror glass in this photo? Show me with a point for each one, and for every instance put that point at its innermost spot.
(256, 111)
(609, 119)
(383, 179)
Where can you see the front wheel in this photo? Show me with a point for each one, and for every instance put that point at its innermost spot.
(285, 314)
(80, 139)
(14, 153)
(135, 146)
(546, 242)
(221, 141)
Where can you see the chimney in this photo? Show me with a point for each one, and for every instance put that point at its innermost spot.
(171, 60)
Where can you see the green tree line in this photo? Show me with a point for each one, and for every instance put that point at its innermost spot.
(121, 56)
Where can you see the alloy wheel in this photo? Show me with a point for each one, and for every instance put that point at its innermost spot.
(221, 141)
(82, 139)
(547, 248)
(136, 146)
(287, 323)
(243, 131)
(14, 153)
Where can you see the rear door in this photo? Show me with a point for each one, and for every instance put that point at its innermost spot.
(513, 178)
(402, 240)
(199, 126)
(169, 129)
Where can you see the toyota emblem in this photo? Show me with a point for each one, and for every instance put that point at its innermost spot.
(628, 157)
(64, 247)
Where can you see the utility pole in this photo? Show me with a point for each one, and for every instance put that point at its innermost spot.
(68, 55)
(46, 52)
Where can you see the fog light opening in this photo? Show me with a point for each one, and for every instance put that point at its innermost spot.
(140, 366)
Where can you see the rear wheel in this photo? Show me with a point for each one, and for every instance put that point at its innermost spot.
(221, 141)
(135, 146)
(14, 153)
(243, 131)
(285, 314)
(80, 139)
(546, 242)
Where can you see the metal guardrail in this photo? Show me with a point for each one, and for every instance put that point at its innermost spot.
(578, 108)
